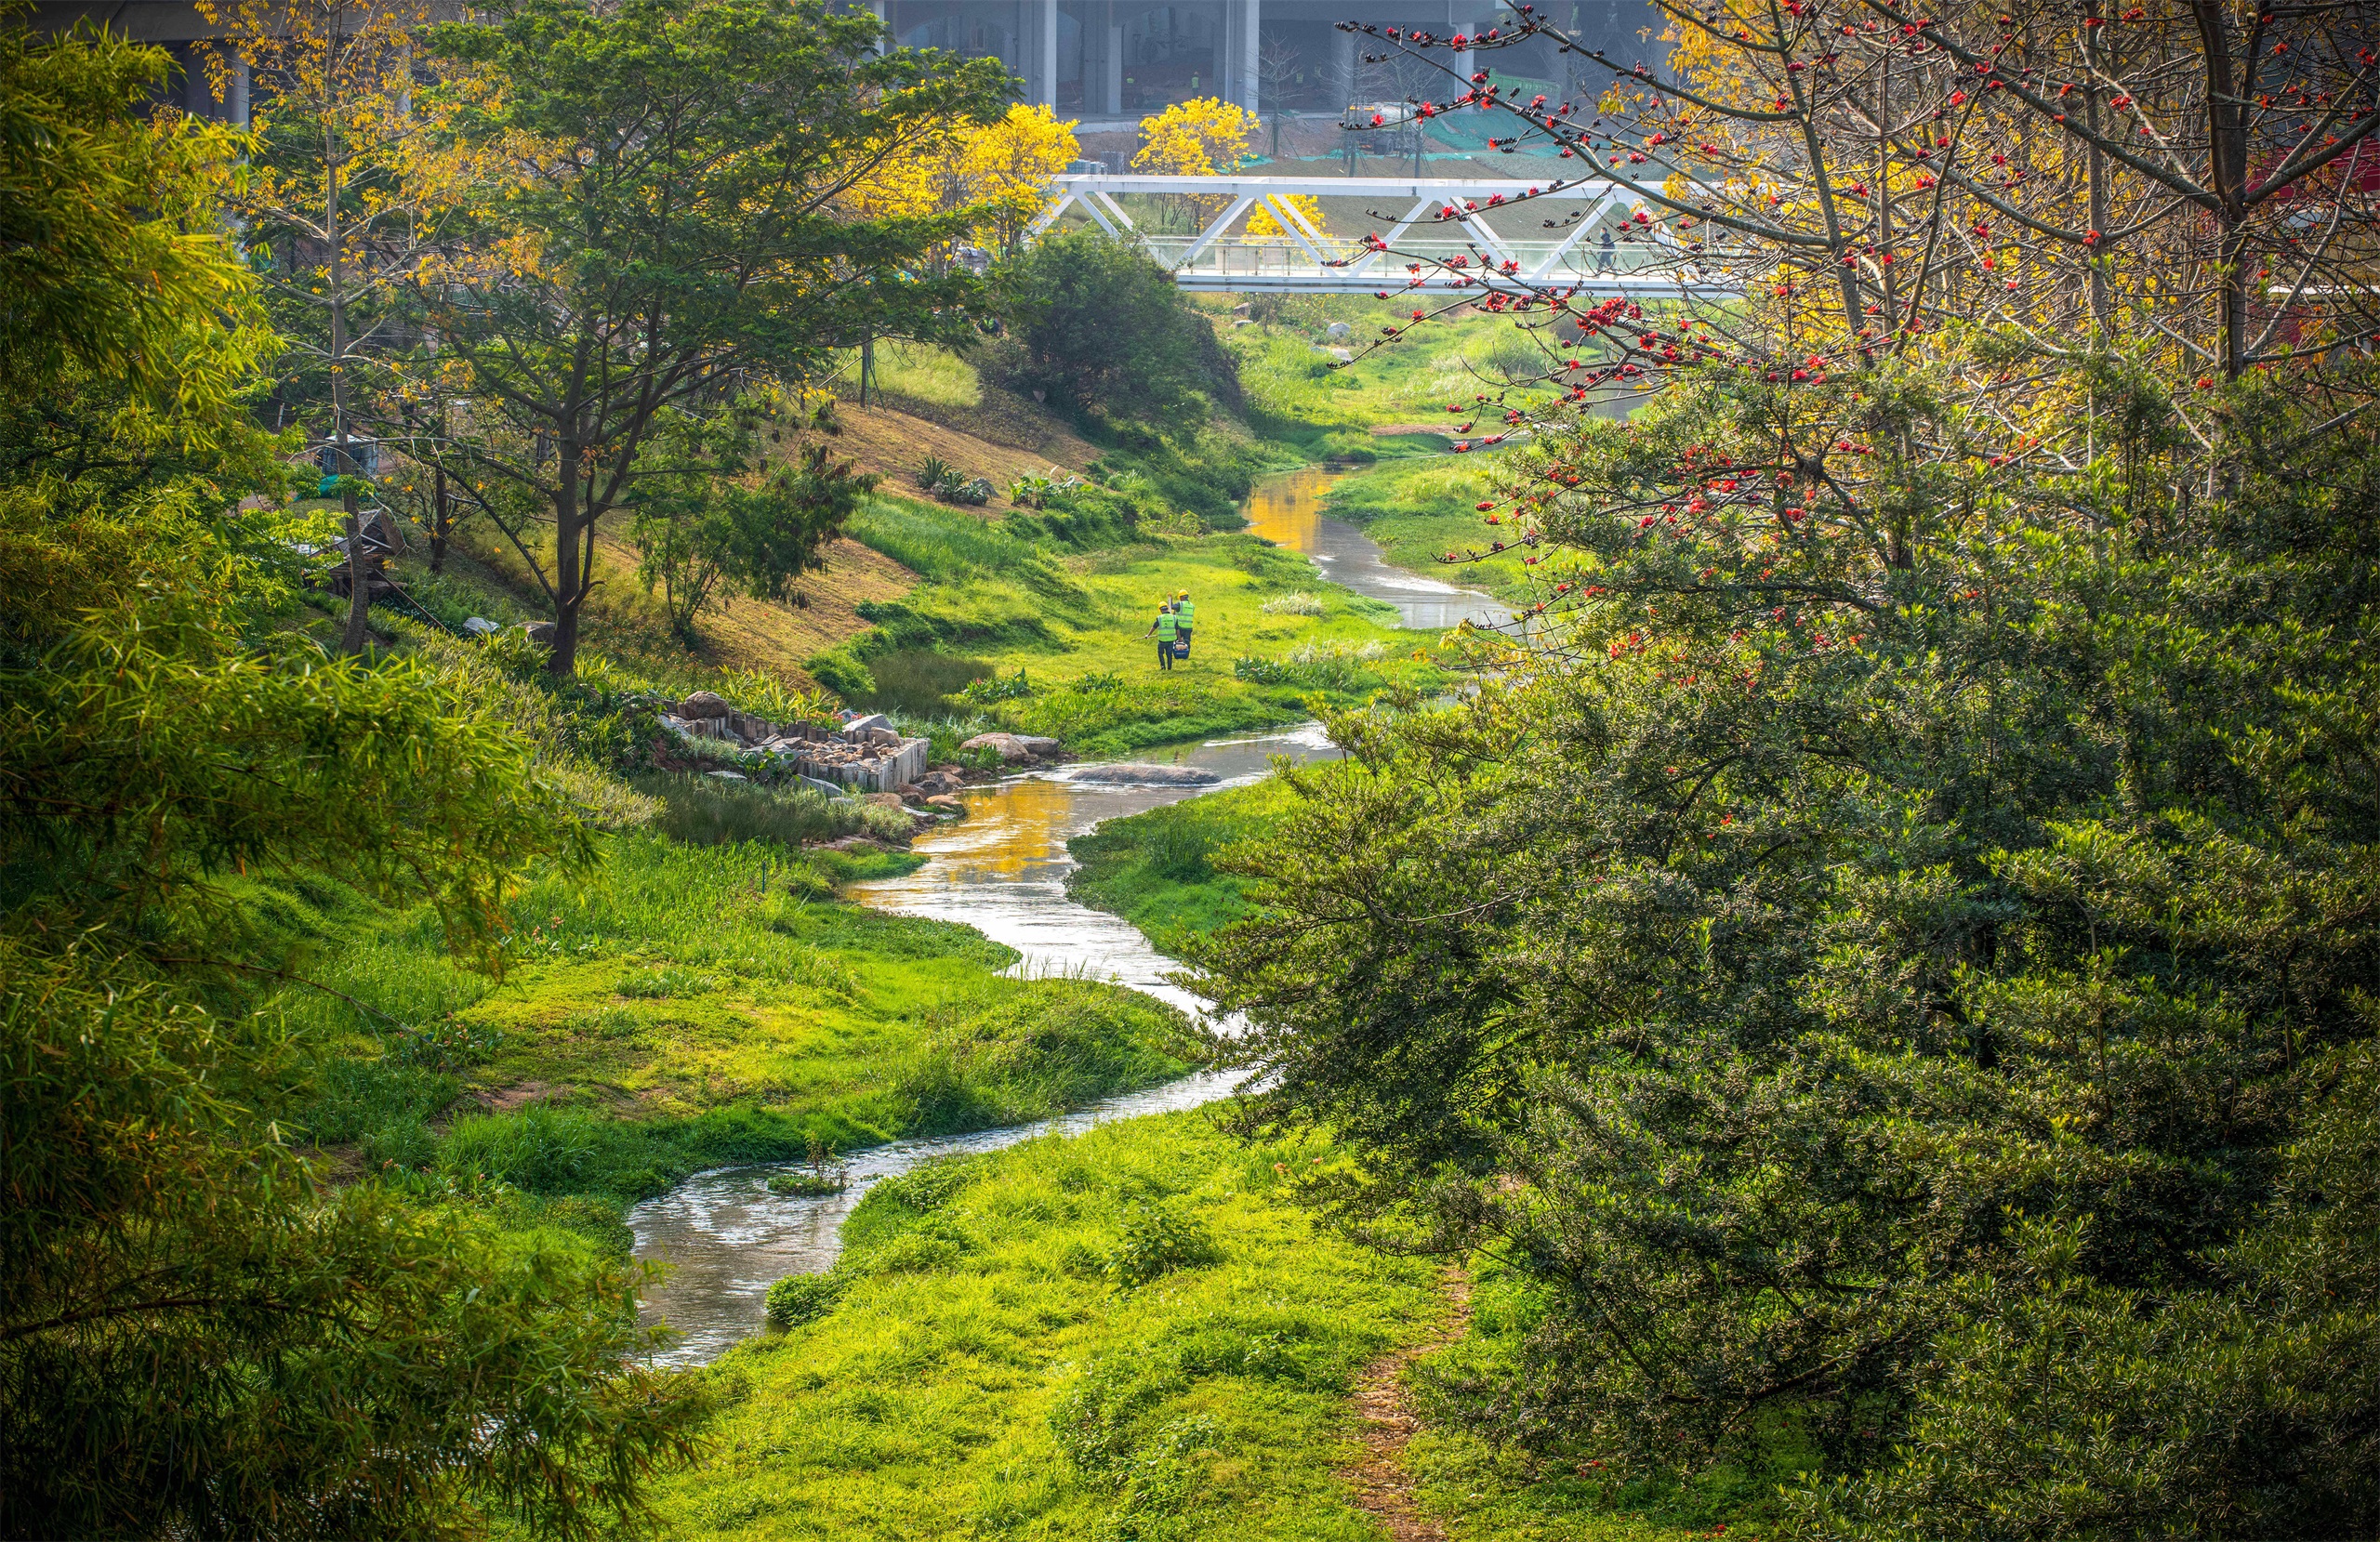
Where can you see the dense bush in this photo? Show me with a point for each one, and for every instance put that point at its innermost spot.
(1103, 330)
(1873, 991)
(1154, 1241)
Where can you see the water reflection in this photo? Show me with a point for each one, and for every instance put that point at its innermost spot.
(1003, 868)
(1286, 510)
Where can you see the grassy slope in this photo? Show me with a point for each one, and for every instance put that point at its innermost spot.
(686, 1006)
(981, 1376)
(1073, 623)
(1155, 869)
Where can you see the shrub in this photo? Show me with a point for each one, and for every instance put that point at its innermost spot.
(1157, 1240)
(799, 1299)
(996, 688)
(765, 695)
(1296, 602)
(1104, 329)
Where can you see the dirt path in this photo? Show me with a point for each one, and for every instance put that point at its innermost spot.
(1383, 1486)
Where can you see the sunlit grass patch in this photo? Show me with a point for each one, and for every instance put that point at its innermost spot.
(1132, 1333)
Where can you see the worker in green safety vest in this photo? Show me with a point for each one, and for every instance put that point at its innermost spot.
(1165, 629)
(1185, 616)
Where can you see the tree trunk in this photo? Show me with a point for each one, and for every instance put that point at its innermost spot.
(441, 522)
(2226, 126)
(569, 590)
(359, 580)
(359, 590)
(2099, 175)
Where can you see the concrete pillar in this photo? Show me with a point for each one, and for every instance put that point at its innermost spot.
(238, 104)
(1465, 61)
(1102, 60)
(1036, 43)
(1344, 80)
(1239, 44)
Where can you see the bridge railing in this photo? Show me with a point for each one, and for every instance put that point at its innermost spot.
(1460, 234)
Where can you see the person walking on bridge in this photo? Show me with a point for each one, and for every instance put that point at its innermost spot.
(1165, 629)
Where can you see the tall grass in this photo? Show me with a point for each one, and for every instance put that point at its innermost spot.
(710, 810)
(939, 544)
(918, 681)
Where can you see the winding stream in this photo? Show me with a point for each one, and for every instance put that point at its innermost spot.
(1286, 510)
(1002, 870)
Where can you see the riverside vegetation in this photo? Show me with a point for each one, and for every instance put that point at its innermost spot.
(1869, 1013)
(350, 992)
(358, 975)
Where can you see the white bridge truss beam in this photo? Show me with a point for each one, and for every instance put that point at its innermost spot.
(1302, 260)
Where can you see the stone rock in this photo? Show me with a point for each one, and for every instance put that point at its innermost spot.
(858, 729)
(1242, 322)
(542, 633)
(883, 800)
(704, 704)
(728, 775)
(1336, 330)
(832, 789)
(1344, 355)
(1008, 746)
(479, 626)
(946, 803)
(1124, 773)
(1043, 748)
(910, 792)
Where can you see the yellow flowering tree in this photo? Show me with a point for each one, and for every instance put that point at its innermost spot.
(1262, 222)
(998, 172)
(330, 190)
(1005, 169)
(1196, 139)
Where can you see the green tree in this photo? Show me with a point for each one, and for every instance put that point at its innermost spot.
(335, 200)
(130, 338)
(1844, 920)
(663, 217)
(1103, 330)
(195, 1337)
(706, 532)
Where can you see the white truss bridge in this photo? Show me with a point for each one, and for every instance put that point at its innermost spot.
(1495, 223)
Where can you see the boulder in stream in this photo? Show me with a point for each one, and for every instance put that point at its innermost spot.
(1126, 774)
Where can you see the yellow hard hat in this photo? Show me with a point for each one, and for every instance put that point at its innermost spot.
(1184, 595)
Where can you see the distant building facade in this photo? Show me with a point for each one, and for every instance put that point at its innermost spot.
(1092, 60)
(1123, 59)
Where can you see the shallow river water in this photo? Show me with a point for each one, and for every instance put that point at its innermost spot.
(1286, 510)
(1002, 870)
